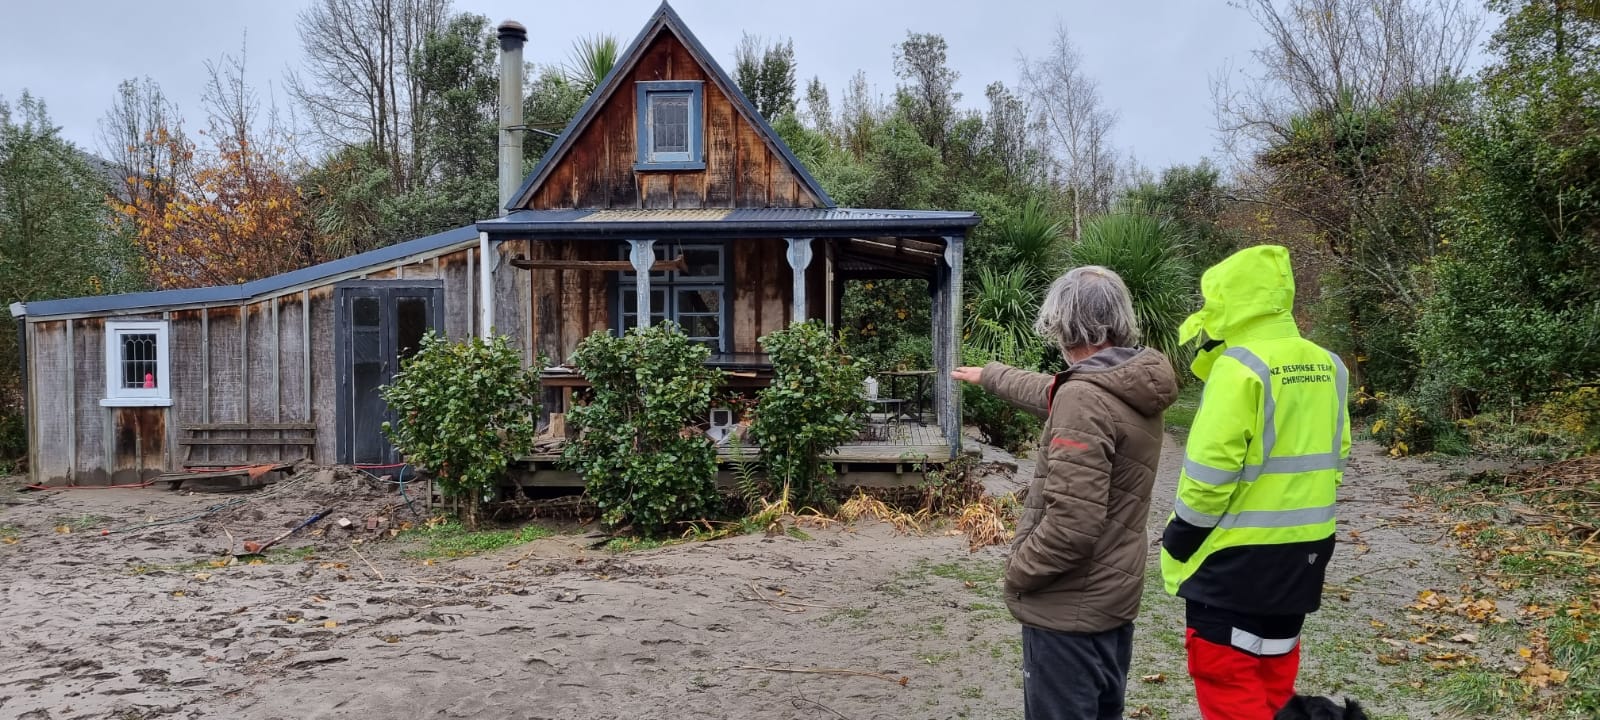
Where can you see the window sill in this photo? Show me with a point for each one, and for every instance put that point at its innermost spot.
(136, 402)
(682, 165)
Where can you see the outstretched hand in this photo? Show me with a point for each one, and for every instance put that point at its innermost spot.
(972, 375)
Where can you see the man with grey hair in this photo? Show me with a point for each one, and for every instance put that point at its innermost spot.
(1075, 573)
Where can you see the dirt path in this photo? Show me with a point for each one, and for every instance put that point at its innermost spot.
(140, 625)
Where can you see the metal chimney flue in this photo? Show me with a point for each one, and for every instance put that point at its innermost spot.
(512, 37)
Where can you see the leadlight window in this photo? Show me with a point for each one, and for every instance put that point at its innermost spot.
(137, 364)
(670, 126)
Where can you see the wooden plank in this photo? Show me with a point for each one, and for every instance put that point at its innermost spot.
(722, 156)
(214, 427)
(187, 367)
(305, 353)
(225, 401)
(324, 386)
(622, 152)
(50, 373)
(657, 190)
(752, 167)
(293, 395)
(568, 261)
(253, 442)
(775, 311)
(458, 294)
(277, 365)
(93, 460)
(71, 352)
(262, 401)
(473, 284)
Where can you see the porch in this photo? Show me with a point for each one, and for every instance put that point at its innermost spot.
(729, 277)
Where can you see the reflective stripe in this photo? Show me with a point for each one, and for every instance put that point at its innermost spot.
(1201, 472)
(1269, 428)
(1293, 464)
(1257, 645)
(1343, 378)
(1192, 516)
(1276, 518)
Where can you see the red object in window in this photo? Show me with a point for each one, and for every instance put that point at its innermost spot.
(149, 381)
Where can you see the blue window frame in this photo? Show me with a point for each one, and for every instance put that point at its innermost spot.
(696, 299)
(671, 125)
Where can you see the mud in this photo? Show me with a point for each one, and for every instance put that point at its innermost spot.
(858, 622)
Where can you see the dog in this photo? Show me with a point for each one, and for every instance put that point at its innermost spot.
(1303, 707)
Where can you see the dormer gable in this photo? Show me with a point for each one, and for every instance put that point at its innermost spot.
(668, 129)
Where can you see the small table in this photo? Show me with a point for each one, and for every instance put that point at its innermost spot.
(916, 406)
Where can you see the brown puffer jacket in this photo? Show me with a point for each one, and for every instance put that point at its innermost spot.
(1077, 564)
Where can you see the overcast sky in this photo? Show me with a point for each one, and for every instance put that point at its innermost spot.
(1153, 58)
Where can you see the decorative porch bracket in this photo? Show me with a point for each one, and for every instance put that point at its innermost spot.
(643, 256)
(799, 260)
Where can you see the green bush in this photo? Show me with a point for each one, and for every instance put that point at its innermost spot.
(1147, 250)
(13, 440)
(465, 411)
(1406, 427)
(810, 409)
(998, 423)
(638, 446)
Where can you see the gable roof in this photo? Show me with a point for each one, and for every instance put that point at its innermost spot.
(664, 19)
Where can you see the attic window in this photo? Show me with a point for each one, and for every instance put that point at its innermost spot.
(670, 125)
(137, 365)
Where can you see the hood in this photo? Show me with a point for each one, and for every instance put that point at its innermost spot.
(1140, 377)
(1249, 288)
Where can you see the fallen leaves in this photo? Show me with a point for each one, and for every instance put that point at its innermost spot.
(1155, 679)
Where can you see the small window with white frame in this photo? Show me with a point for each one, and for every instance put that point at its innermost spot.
(137, 364)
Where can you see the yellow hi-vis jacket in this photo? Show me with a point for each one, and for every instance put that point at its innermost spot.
(1253, 524)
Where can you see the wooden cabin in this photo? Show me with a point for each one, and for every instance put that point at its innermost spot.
(668, 197)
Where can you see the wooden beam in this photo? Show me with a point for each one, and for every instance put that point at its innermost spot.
(678, 263)
(642, 256)
(305, 352)
(236, 427)
(72, 406)
(248, 441)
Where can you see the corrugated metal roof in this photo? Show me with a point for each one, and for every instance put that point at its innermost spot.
(255, 288)
(768, 216)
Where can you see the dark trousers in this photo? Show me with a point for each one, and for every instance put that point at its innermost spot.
(1075, 676)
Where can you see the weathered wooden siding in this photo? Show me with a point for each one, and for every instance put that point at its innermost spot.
(741, 169)
(271, 360)
(760, 289)
(568, 305)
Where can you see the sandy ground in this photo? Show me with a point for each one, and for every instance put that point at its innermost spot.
(853, 623)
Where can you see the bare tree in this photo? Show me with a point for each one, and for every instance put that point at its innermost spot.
(1076, 124)
(357, 83)
(131, 139)
(1334, 55)
(1385, 72)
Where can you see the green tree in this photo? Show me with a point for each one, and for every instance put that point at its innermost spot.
(57, 238)
(764, 72)
(927, 97)
(591, 60)
(1517, 304)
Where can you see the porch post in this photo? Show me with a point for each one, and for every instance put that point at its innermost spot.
(799, 260)
(947, 346)
(485, 287)
(643, 255)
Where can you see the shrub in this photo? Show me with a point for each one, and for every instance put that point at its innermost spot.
(639, 448)
(810, 409)
(1147, 250)
(1405, 427)
(998, 422)
(465, 411)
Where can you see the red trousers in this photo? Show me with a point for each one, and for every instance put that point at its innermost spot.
(1231, 684)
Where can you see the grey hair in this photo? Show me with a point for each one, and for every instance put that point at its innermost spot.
(1086, 307)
